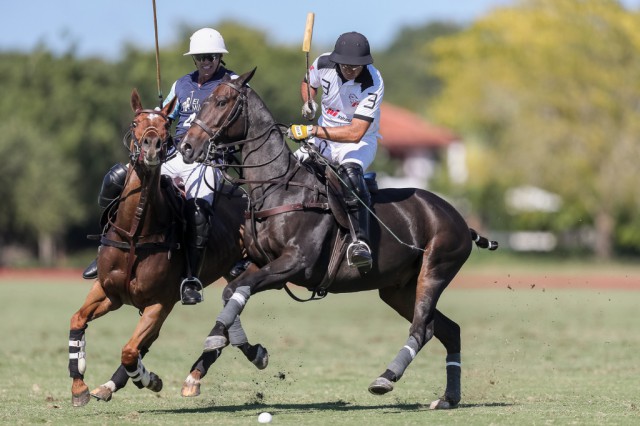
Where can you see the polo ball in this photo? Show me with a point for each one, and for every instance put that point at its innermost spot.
(264, 418)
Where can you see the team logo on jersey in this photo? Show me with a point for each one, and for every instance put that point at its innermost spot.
(354, 100)
(185, 104)
(333, 112)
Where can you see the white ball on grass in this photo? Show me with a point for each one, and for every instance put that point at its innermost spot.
(265, 418)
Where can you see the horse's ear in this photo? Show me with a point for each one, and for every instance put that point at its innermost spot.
(168, 108)
(245, 78)
(136, 104)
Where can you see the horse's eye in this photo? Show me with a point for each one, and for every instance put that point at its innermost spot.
(222, 102)
(134, 124)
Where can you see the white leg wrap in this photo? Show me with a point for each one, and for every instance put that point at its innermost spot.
(141, 375)
(81, 355)
(239, 298)
(412, 351)
(110, 385)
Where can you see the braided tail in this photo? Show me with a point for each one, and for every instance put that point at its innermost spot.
(482, 242)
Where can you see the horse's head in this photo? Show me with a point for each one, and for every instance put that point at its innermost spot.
(150, 132)
(222, 118)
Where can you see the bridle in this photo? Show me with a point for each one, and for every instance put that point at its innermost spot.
(133, 144)
(236, 112)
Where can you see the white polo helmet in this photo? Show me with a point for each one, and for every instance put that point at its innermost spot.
(206, 40)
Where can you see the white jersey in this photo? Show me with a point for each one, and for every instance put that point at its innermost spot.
(342, 100)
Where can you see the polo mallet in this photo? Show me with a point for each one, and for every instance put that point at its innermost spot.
(306, 47)
(155, 26)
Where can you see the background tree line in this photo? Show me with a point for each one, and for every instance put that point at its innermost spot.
(543, 93)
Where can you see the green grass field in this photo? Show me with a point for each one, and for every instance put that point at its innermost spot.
(529, 357)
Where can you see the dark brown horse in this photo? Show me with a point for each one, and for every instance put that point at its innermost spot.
(419, 241)
(141, 259)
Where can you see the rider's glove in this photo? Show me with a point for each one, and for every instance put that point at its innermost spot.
(309, 112)
(299, 132)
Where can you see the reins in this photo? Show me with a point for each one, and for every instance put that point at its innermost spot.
(133, 234)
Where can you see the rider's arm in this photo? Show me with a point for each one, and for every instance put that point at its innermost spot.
(303, 91)
(351, 133)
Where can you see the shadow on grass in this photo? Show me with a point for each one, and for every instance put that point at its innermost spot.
(338, 406)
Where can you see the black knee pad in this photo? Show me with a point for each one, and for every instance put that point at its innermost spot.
(112, 185)
(198, 212)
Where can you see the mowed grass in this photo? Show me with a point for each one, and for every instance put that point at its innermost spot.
(530, 356)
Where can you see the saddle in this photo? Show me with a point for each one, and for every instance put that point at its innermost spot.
(328, 177)
(334, 194)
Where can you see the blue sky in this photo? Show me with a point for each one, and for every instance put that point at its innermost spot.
(103, 26)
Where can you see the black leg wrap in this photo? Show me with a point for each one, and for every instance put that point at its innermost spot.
(205, 361)
(454, 372)
(249, 351)
(218, 329)
(75, 336)
(390, 375)
(120, 377)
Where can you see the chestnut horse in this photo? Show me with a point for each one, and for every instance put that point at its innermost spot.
(419, 241)
(141, 259)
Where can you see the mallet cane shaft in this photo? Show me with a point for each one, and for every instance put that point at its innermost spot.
(155, 26)
(306, 47)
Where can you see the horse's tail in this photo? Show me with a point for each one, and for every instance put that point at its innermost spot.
(482, 242)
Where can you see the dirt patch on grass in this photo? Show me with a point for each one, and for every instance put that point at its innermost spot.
(552, 280)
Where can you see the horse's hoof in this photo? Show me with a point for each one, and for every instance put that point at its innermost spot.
(155, 383)
(190, 387)
(102, 393)
(442, 404)
(81, 399)
(380, 386)
(212, 343)
(262, 357)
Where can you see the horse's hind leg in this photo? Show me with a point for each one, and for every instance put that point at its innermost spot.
(430, 284)
(402, 300)
(448, 332)
(95, 305)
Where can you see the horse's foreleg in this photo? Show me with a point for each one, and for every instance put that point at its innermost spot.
(237, 293)
(191, 385)
(96, 304)
(256, 354)
(448, 332)
(219, 336)
(145, 334)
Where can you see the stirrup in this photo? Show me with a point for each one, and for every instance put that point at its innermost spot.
(198, 288)
(363, 263)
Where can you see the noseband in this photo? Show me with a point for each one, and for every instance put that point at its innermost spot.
(136, 150)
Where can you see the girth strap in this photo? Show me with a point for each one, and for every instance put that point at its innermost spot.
(286, 208)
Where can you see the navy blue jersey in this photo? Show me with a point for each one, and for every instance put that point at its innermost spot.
(190, 98)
